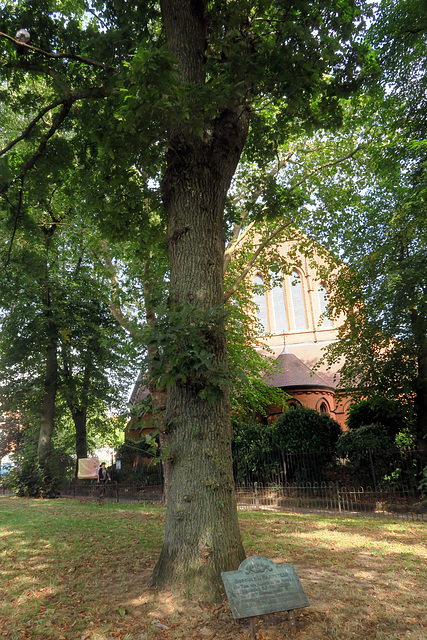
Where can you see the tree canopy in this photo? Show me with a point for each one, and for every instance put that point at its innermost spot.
(381, 231)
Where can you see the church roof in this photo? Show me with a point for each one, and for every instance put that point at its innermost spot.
(294, 374)
(139, 391)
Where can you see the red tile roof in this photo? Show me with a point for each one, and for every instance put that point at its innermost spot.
(295, 374)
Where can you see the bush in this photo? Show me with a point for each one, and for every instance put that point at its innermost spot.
(354, 444)
(305, 429)
(389, 414)
(252, 452)
(358, 445)
(258, 449)
(29, 479)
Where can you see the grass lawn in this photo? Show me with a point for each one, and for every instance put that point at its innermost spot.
(78, 569)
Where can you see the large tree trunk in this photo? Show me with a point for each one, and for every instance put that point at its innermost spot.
(202, 536)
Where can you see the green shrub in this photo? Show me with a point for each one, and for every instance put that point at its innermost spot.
(389, 414)
(29, 479)
(305, 429)
(258, 449)
(371, 451)
(252, 451)
(354, 443)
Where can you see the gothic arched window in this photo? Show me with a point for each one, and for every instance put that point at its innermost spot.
(261, 305)
(279, 307)
(324, 321)
(298, 308)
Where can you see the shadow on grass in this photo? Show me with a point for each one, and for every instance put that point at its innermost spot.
(72, 569)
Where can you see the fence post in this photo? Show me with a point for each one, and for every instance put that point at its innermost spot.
(256, 495)
(338, 496)
(372, 469)
(285, 473)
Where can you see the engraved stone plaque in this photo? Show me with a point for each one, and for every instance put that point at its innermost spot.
(260, 586)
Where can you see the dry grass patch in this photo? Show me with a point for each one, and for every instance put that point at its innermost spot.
(73, 569)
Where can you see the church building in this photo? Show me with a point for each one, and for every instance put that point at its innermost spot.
(294, 326)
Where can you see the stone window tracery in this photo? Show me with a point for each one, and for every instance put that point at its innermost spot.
(261, 305)
(298, 306)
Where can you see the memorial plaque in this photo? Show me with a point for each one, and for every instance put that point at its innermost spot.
(260, 586)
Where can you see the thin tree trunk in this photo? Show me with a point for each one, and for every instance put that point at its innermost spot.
(421, 397)
(47, 413)
(76, 402)
(79, 419)
(158, 392)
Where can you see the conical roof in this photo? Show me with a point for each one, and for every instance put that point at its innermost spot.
(294, 374)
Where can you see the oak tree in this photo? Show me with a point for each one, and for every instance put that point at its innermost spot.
(180, 88)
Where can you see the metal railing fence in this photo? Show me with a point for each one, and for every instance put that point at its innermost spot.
(383, 470)
(330, 497)
(380, 484)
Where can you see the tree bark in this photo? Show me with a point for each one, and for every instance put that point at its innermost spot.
(421, 392)
(47, 412)
(77, 406)
(202, 536)
(79, 419)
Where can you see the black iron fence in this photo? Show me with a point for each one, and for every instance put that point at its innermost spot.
(385, 470)
(332, 498)
(372, 482)
(113, 491)
(379, 484)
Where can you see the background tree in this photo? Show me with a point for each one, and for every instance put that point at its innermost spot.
(11, 433)
(380, 237)
(379, 232)
(54, 290)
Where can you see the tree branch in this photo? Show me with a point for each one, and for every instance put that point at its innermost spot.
(57, 121)
(15, 225)
(67, 102)
(331, 163)
(38, 68)
(251, 263)
(69, 55)
(236, 237)
(115, 308)
(32, 124)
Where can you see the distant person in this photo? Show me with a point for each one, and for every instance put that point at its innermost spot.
(103, 476)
